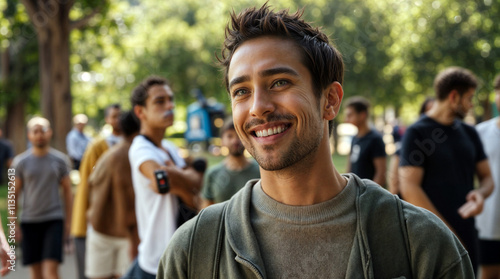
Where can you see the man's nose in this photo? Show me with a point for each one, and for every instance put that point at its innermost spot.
(170, 105)
(262, 103)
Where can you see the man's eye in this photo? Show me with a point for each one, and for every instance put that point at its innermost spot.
(280, 83)
(239, 92)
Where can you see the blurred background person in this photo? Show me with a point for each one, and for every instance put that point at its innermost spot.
(40, 173)
(76, 140)
(112, 237)
(367, 158)
(393, 177)
(159, 213)
(440, 156)
(6, 155)
(226, 178)
(93, 152)
(488, 222)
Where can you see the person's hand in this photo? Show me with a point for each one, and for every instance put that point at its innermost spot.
(6, 261)
(473, 206)
(68, 243)
(133, 251)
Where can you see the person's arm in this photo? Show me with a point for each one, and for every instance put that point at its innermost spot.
(185, 183)
(4, 250)
(380, 165)
(475, 198)
(393, 175)
(68, 204)
(17, 193)
(410, 178)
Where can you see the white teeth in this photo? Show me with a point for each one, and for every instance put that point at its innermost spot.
(270, 131)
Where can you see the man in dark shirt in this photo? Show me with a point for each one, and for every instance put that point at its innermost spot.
(440, 155)
(367, 157)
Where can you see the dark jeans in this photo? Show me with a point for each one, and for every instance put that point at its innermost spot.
(135, 272)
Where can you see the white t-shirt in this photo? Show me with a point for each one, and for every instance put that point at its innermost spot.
(488, 222)
(156, 213)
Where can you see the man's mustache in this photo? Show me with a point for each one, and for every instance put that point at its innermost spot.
(270, 118)
(168, 113)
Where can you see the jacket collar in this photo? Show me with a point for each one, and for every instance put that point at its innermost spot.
(239, 229)
(244, 243)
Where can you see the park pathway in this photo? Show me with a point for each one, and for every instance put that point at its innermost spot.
(67, 270)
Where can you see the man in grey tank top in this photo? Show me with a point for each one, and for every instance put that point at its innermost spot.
(40, 172)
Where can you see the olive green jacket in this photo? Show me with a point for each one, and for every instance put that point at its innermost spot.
(393, 239)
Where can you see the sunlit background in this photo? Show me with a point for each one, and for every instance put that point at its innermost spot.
(392, 50)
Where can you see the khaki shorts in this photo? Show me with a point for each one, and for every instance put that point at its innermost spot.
(105, 255)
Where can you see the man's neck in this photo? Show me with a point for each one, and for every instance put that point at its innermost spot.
(40, 151)
(441, 113)
(236, 163)
(155, 135)
(116, 133)
(310, 181)
(363, 130)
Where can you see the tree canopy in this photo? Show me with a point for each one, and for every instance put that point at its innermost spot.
(392, 49)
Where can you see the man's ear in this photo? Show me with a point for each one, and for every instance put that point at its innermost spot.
(453, 97)
(333, 94)
(138, 111)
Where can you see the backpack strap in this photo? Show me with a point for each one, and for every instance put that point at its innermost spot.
(206, 242)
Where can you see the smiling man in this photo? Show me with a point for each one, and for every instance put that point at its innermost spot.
(302, 219)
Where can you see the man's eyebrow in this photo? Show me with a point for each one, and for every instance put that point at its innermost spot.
(158, 97)
(279, 70)
(265, 73)
(237, 80)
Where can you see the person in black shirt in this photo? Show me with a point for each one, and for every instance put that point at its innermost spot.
(367, 156)
(6, 156)
(440, 156)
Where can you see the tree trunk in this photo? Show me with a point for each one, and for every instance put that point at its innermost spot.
(15, 125)
(51, 20)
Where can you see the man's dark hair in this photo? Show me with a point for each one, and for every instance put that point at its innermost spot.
(496, 83)
(108, 109)
(454, 78)
(140, 93)
(228, 125)
(323, 61)
(359, 104)
(129, 123)
(424, 105)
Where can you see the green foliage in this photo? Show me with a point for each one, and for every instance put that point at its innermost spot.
(392, 49)
(17, 37)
